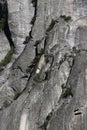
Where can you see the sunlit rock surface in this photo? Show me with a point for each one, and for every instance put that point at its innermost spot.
(20, 15)
(57, 97)
(4, 45)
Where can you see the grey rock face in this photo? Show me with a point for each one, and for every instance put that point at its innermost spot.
(20, 14)
(4, 45)
(53, 95)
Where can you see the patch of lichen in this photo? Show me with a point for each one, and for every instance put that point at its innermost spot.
(48, 118)
(7, 58)
(35, 61)
(51, 25)
(17, 95)
(2, 21)
(37, 42)
(6, 103)
(42, 51)
(33, 20)
(27, 39)
(34, 2)
(29, 69)
(66, 18)
(67, 92)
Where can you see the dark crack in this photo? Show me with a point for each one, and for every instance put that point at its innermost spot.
(34, 2)
(4, 14)
(46, 122)
(4, 17)
(66, 88)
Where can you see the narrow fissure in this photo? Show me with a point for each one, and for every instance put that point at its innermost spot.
(4, 22)
(28, 38)
(47, 120)
(34, 2)
(31, 69)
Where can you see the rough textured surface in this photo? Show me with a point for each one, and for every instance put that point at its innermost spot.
(56, 97)
(4, 45)
(20, 14)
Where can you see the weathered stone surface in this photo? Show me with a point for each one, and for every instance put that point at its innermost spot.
(71, 113)
(56, 97)
(4, 45)
(20, 15)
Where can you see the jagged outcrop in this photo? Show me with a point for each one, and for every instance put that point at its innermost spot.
(44, 86)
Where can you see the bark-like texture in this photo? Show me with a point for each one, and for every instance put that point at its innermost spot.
(44, 86)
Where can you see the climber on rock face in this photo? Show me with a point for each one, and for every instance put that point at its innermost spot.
(4, 21)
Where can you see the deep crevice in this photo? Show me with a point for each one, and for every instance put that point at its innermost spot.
(4, 17)
(29, 37)
(34, 2)
(47, 120)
